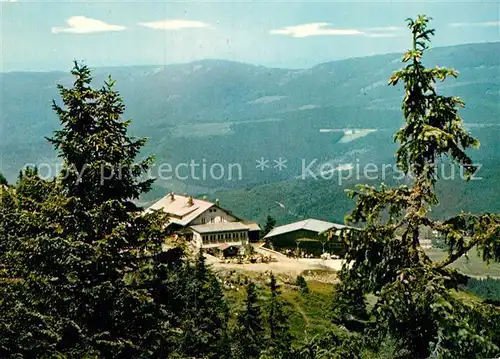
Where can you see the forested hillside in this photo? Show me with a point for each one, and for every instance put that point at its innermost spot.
(325, 199)
(85, 272)
(233, 113)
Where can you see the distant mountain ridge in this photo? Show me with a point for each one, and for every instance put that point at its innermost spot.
(230, 112)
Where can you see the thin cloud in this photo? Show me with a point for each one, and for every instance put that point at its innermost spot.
(386, 28)
(476, 24)
(174, 24)
(384, 34)
(85, 25)
(324, 29)
(314, 29)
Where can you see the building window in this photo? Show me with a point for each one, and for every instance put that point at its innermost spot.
(203, 220)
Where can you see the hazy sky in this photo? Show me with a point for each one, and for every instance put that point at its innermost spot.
(46, 35)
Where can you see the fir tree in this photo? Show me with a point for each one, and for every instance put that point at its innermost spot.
(206, 314)
(99, 156)
(84, 276)
(415, 303)
(249, 332)
(302, 284)
(279, 339)
(268, 226)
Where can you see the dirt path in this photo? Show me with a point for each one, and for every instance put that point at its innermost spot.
(292, 269)
(292, 266)
(288, 266)
(282, 265)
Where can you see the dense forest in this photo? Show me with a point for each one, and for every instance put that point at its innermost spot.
(228, 112)
(86, 273)
(487, 288)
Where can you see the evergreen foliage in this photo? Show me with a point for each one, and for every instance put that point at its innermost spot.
(249, 331)
(268, 226)
(99, 156)
(85, 273)
(302, 284)
(3, 180)
(415, 301)
(279, 337)
(82, 268)
(205, 314)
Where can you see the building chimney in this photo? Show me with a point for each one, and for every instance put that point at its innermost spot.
(172, 198)
(190, 201)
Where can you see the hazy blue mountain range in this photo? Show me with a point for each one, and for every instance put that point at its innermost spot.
(214, 111)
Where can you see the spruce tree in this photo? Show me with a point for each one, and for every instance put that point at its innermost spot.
(249, 332)
(416, 302)
(205, 314)
(302, 284)
(268, 226)
(87, 268)
(279, 338)
(98, 155)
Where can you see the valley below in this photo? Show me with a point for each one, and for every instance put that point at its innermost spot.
(255, 136)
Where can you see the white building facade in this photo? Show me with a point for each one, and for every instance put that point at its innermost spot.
(205, 223)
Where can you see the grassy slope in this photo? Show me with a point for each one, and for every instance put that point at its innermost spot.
(472, 266)
(308, 313)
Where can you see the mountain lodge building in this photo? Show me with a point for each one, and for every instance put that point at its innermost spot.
(205, 223)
